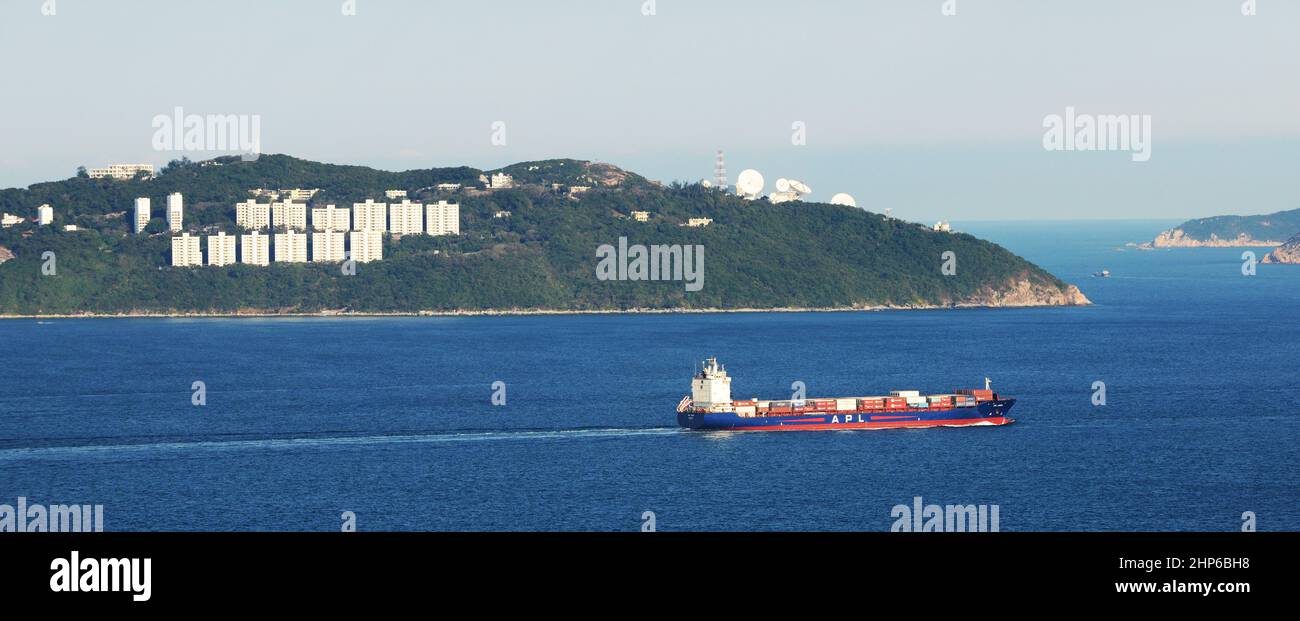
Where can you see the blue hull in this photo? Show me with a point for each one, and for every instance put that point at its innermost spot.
(986, 413)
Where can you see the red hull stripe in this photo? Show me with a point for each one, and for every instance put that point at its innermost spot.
(997, 420)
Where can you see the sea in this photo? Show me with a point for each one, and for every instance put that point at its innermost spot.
(1170, 404)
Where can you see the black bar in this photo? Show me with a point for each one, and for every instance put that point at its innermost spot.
(324, 569)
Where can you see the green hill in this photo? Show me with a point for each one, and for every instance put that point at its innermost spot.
(542, 257)
(1266, 230)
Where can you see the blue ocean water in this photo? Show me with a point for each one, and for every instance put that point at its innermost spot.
(392, 418)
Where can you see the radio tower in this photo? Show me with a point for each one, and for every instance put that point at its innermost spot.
(720, 172)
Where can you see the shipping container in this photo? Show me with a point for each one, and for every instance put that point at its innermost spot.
(905, 393)
(846, 404)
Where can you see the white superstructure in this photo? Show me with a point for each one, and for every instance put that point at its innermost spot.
(711, 386)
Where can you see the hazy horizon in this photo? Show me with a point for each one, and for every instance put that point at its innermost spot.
(932, 116)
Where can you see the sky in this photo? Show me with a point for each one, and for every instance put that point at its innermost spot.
(931, 116)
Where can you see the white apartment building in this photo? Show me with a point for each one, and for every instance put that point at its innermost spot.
(641, 216)
(501, 181)
(142, 214)
(120, 171)
(406, 218)
(366, 246)
(391, 194)
(251, 214)
(8, 220)
(327, 247)
(699, 222)
(291, 247)
(289, 215)
(370, 216)
(186, 252)
(299, 195)
(447, 187)
(255, 249)
(331, 218)
(443, 218)
(45, 215)
(175, 212)
(221, 249)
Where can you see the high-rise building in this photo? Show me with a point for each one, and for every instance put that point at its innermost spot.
(406, 218)
(369, 216)
(186, 251)
(142, 214)
(175, 212)
(366, 246)
(289, 215)
(443, 218)
(221, 249)
(255, 249)
(44, 215)
(251, 214)
(291, 247)
(720, 172)
(327, 247)
(331, 218)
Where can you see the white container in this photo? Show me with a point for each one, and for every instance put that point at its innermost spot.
(912, 400)
(846, 404)
(747, 411)
(905, 393)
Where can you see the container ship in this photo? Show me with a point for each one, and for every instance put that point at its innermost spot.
(710, 407)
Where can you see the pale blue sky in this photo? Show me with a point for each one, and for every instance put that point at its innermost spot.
(932, 116)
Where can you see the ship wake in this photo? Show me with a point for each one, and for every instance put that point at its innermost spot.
(327, 442)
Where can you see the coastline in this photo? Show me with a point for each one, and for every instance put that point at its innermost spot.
(523, 312)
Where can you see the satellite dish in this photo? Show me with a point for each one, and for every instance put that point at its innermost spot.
(843, 199)
(800, 187)
(706, 183)
(749, 183)
(782, 185)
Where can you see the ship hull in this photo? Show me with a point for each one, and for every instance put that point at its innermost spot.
(985, 413)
